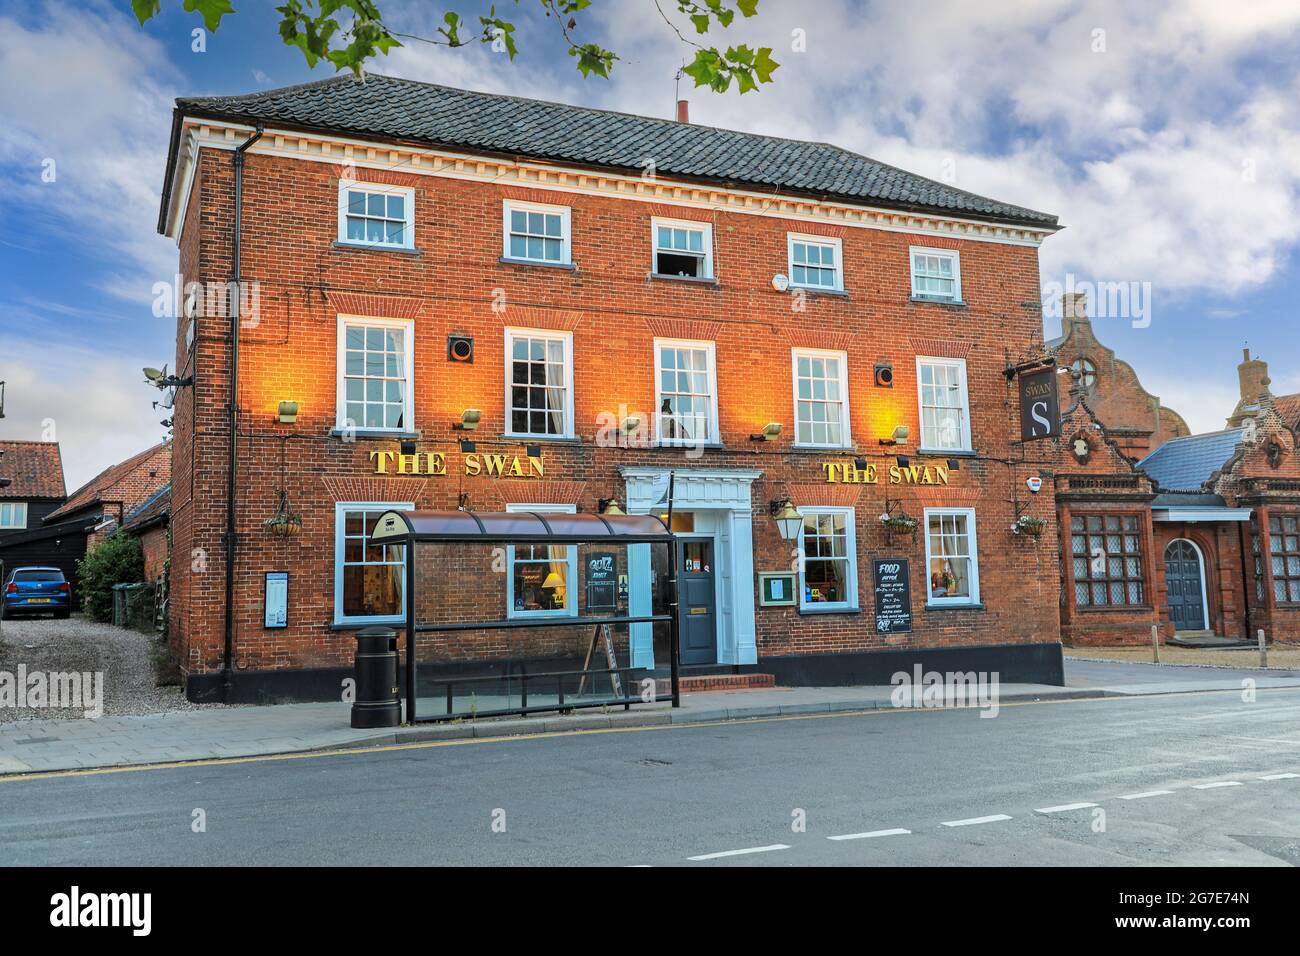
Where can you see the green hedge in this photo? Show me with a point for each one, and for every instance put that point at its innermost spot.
(118, 560)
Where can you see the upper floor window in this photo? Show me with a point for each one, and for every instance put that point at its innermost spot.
(686, 393)
(374, 386)
(539, 383)
(372, 214)
(821, 398)
(1084, 372)
(683, 249)
(945, 414)
(936, 274)
(951, 556)
(815, 263)
(536, 233)
(13, 514)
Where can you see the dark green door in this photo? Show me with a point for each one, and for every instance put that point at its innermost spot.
(1184, 586)
(697, 601)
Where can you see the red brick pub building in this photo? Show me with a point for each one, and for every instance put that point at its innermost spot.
(605, 299)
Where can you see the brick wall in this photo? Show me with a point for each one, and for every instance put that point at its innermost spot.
(449, 285)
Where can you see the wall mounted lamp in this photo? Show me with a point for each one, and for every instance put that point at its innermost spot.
(469, 420)
(288, 412)
(898, 436)
(769, 433)
(609, 506)
(788, 520)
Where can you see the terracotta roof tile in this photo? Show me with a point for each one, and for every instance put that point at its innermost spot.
(34, 468)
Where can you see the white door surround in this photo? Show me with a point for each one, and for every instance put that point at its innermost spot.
(721, 499)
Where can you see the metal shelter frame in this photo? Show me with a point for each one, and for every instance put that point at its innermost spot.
(411, 528)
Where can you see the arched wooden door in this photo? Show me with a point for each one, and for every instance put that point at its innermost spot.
(1185, 586)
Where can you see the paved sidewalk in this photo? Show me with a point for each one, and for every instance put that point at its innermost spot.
(28, 746)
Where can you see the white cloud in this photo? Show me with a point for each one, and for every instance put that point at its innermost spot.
(94, 402)
(88, 89)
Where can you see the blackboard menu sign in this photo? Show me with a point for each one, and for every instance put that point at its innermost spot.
(893, 596)
(602, 581)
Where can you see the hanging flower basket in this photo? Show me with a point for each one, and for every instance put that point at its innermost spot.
(284, 525)
(1028, 524)
(900, 523)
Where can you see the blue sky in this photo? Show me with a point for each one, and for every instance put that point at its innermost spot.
(1165, 135)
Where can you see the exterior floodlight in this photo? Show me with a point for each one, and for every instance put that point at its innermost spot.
(288, 412)
(469, 420)
(769, 433)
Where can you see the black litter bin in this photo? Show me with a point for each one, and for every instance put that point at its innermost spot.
(377, 703)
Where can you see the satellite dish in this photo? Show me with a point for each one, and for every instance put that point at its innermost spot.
(153, 374)
(780, 282)
(169, 398)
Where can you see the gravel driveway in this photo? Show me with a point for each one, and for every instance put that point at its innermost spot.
(79, 645)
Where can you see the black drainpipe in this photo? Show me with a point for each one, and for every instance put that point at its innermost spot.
(232, 411)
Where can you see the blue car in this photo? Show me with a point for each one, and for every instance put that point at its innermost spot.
(36, 591)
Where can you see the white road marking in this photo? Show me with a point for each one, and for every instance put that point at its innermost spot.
(752, 849)
(1281, 776)
(975, 820)
(1064, 807)
(1145, 794)
(897, 831)
(1216, 785)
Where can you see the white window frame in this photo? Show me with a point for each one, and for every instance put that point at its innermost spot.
(837, 244)
(969, 515)
(960, 365)
(511, 333)
(953, 254)
(850, 543)
(340, 397)
(846, 431)
(571, 556)
(18, 511)
(706, 240)
(566, 231)
(340, 509)
(408, 233)
(710, 350)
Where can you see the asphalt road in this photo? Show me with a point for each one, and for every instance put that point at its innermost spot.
(666, 796)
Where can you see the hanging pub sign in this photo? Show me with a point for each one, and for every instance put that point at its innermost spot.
(602, 581)
(893, 596)
(1040, 405)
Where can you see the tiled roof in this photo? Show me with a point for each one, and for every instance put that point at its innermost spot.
(1288, 406)
(155, 510)
(1184, 464)
(131, 482)
(392, 108)
(34, 469)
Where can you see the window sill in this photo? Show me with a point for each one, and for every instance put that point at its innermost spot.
(367, 247)
(1114, 608)
(689, 280)
(371, 434)
(946, 452)
(823, 449)
(815, 611)
(397, 625)
(934, 300)
(541, 439)
(819, 290)
(685, 445)
(533, 264)
(955, 607)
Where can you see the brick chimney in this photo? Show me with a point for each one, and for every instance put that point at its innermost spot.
(683, 111)
(1253, 381)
